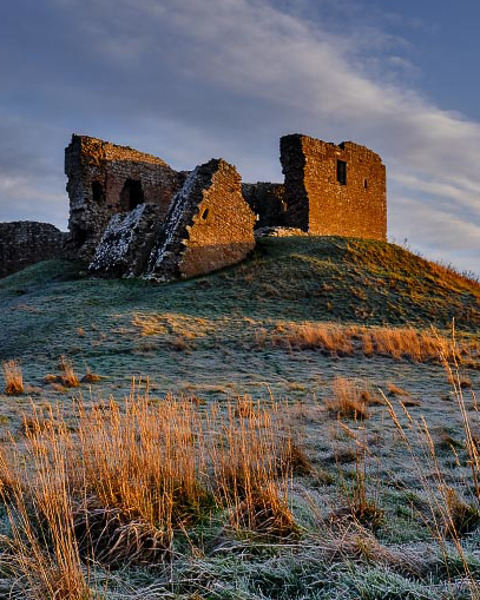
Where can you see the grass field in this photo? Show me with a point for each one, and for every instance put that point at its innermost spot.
(298, 426)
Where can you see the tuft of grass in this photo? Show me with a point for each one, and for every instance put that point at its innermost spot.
(295, 459)
(395, 390)
(90, 377)
(461, 516)
(351, 398)
(69, 377)
(331, 339)
(12, 374)
(44, 554)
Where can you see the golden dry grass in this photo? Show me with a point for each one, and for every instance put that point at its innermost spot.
(128, 480)
(69, 377)
(333, 339)
(350, 398)
(12, 374)
(393, 342)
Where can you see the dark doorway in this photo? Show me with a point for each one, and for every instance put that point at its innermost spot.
(97, 193)
(132, 194)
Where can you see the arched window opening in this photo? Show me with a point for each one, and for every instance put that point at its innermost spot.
(98, 193)
(132, 194)
(365, 183)
(205, 214)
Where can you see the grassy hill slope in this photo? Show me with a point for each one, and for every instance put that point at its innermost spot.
(286, 279)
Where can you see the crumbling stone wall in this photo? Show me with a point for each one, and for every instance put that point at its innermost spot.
(334, 190)
(105, 179)
(24, 243)
(267, 200)
(209, 225)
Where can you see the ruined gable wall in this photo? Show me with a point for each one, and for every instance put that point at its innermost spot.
(98, 172)
(24, 243)
(319, 203)
(221, 233)
(209, 225)
(267, 200)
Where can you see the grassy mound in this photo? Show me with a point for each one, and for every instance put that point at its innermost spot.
(289, 279)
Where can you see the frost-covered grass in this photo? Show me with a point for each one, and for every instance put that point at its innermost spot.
(373, 517)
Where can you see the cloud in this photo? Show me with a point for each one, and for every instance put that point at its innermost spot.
(437, 233)
(190, 79)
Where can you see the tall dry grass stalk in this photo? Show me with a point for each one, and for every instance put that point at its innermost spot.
(350, 398)
(393, 342)
(45, 554)
(12, 373)
(452, 513)
(120, 488)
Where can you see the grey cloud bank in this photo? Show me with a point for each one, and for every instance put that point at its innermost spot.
(188, 80)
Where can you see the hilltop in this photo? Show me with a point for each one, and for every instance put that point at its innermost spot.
(125, 327)
(286, 279)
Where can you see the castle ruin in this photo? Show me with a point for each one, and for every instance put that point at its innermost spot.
(132, 215)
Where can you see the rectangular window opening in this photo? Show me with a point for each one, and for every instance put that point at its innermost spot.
(342, 172)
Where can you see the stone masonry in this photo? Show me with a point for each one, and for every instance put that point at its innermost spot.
(105, 179)
(209, 225)
(24, 243)
(334, 190)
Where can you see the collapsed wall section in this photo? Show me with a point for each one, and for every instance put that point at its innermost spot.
(127, 242)
(105, 179)
(209, 225)
(267, 200)
(334, 190)
(24, 243)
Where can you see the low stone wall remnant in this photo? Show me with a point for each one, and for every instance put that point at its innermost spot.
(24, 243)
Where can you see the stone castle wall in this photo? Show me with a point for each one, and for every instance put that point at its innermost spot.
(105, 179)
(24, 243)
(334, 190)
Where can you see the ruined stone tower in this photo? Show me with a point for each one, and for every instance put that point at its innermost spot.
(333, 190)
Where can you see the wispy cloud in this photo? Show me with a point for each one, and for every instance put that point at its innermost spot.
(231, 76)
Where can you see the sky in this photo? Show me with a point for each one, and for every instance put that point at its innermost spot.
(189, 80)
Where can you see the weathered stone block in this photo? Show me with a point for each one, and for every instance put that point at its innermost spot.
(209, 225)
(334, 190)
(127, 242)
(24, 243)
